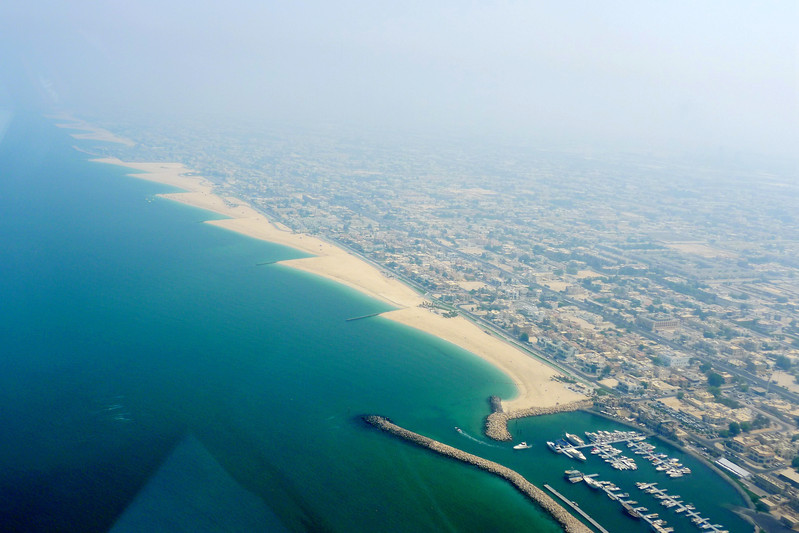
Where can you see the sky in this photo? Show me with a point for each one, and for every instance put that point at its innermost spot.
(695, 75)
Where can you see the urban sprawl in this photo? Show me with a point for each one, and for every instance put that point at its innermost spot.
(667, 291)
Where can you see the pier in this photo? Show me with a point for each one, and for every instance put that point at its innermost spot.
(569, 523)
(613, 492)
(673, 501)
(609, 443)
(576, 508)
(266, 263)
(364, 316)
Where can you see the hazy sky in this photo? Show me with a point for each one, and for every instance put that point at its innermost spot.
(708, 75)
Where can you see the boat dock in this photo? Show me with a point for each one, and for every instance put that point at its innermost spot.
(674, 502)
(656, 524)
(628, 505)
(601, 443)
(594, 444)
(576, 507)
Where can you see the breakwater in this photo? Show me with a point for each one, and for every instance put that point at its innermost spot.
(370, 315)
(496, 425)
(569, 523)
(496, 404)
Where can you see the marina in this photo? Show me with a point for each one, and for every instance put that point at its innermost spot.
(631, 508)
(704, 490)
(662, 462)
(601, 444)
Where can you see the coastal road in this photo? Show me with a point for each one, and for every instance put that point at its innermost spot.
(720, 364)
(477, 320)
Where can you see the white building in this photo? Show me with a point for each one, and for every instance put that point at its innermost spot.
(676, 360)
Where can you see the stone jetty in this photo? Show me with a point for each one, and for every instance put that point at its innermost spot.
(496, 404)
(569, 523)
(497, 422)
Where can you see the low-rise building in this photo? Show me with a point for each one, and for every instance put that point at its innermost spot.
(790, 520)
(675, 360)
(769, 483)
(739, 444)
(658, 322)
(789, 476)
(762, 455)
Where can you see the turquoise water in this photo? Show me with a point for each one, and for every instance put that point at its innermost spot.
(128, 328)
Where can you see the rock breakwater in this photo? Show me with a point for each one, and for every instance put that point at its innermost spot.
(496, 426)
(496, 404)
(569, 523)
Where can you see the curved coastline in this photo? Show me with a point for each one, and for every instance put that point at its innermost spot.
(532, 378)
(248, 221)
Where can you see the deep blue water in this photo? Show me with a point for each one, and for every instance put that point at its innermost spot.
(128, 329)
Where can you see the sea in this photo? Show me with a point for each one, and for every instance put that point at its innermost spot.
(155, 377)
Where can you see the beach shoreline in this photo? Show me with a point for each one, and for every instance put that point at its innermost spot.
(533, 379)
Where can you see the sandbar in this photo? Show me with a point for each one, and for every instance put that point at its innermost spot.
(92, 133)
(532, 377)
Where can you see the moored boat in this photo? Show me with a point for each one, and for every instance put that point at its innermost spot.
(554, 447)
(574, 439)
(592, 483)
(631, 512)
(573, 476)
(573, 453)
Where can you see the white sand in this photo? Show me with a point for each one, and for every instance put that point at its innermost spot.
(93, 133)
(532, 377)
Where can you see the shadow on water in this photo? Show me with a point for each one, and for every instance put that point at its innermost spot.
(92, 494)
(244, 459)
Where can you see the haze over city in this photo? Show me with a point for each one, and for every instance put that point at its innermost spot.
(664, 77)
(399, 266)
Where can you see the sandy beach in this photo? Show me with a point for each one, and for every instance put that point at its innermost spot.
(91, 132)
(532, 378)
